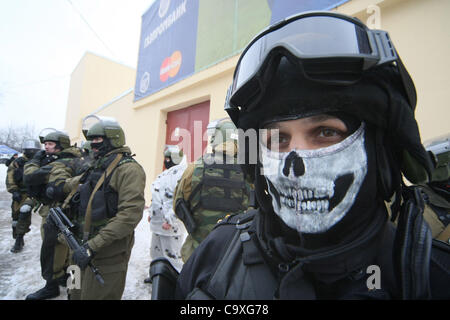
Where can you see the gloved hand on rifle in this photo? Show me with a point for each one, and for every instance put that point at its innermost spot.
(82, 256)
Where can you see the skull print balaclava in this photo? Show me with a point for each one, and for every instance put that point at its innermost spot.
(312, 190)
(349, 200)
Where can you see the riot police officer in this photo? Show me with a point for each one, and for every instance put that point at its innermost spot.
(45, 175)
(211, 187)
(111, 205)
(335, 108)
(168, 232)
(21, 205)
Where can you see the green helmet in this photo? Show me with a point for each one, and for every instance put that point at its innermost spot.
(439, 150)
(59, 137)
(95, 126)
(221, 131)
(173, 152)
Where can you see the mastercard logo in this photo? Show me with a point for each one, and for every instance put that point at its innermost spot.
(170, 66)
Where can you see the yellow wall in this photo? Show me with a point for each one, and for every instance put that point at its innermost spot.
(144, 121)
(94, 82)
(419, 29)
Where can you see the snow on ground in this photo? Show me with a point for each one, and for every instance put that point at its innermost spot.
(20, 273)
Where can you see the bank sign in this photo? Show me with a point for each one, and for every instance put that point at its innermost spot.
(181, 37)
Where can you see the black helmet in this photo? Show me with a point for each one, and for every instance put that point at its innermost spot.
(321, 62)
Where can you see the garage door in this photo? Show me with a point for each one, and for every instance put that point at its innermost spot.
(186, 127)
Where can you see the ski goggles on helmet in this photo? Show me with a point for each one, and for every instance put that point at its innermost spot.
(329, 47)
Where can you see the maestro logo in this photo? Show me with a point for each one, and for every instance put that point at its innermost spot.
(145, 82)
(170, 66)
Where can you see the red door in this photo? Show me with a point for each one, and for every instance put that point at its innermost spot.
(187, 129)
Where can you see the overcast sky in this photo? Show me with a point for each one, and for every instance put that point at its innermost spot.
(42, 41)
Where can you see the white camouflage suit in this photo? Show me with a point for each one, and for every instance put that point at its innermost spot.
(166, 243)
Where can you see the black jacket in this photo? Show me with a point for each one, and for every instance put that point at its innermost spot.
(241, 259)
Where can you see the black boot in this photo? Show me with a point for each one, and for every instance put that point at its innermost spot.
(51, 290)
(18, 245)
(62, 281)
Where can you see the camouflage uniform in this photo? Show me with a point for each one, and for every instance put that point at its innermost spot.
(14, 185)
(213, 187)
(166, 243)
(40, 178)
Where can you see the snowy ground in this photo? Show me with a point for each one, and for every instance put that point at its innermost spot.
(20, 273)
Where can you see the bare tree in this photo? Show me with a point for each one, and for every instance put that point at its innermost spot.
(13, 136)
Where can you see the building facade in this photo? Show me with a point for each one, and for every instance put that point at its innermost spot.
(180, 112)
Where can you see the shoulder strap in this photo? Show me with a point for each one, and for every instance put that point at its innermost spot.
(68, 198)
(87, 221)
(237, 265)
(413, 247)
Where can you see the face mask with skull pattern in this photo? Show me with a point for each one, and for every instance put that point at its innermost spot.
(312, 190)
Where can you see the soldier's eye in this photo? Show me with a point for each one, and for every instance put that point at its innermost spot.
(277, 140)
(328, 132)
(330, 135)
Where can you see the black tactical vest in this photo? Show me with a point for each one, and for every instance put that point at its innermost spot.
(219, 187)
(105, 200)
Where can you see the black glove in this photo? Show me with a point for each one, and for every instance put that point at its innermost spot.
(20, 161)
(50, 192)
(17, 196)
(39, 155)
(54, 192)
(82, 256)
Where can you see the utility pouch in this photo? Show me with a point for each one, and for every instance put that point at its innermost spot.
(184, 214)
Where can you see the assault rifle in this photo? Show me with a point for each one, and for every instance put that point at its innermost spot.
(184, 214)
(63, 224)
